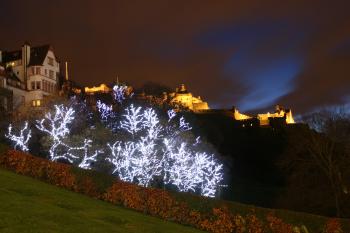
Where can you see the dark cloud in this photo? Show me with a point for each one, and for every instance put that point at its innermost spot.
(325, 79)
(247, 54)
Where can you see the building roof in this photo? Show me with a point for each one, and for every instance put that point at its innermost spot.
(13, 77)
(37, 55)
(9, 75)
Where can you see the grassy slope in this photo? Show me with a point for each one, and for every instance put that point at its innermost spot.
(28, 205)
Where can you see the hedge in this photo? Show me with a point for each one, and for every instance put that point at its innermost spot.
(152, 201)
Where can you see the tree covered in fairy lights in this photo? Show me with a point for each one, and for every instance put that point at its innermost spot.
(87, 158)
(106, 111)
(107, 115)
(119, 93)
(159, 148)
(57, 126)
(21, 141)
(146, 146)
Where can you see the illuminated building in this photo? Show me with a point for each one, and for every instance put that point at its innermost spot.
(266, 118)
(104, 92)
(102, 88)
(181, 97)
(30, 73)
(6, 95)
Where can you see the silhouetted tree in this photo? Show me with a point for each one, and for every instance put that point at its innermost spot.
(317, 164)
(153, 88)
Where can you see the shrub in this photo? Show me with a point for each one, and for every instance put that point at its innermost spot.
(55, 173)
(276, 225)
(152, 201)
(332, 226)
(91, 182)
(254, 225)
(3, 148)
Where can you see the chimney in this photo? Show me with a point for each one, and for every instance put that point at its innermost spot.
(26, 53)
(67, 78)
(25, 62)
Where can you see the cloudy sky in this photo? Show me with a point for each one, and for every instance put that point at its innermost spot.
(251, 54)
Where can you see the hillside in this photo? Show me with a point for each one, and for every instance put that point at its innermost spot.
(28, 205)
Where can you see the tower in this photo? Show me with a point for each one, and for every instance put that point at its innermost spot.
(25, 62)
(67, 77)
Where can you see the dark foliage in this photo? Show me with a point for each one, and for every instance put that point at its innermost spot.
(152, 88)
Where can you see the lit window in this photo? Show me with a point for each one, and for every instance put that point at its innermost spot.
(36, 103)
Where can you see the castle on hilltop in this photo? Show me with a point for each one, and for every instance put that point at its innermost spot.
(181, 97)
(280, 116)
(265, 119)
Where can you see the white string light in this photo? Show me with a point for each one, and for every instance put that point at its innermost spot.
(150, 149)
(106, 111)
(20, 141)
(155, 153)
(133, 120)
(56, 125)
(171, 114)
(119, 93)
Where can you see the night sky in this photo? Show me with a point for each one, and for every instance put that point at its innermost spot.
(251, 55)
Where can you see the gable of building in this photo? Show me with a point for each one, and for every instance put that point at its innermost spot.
(37, 55)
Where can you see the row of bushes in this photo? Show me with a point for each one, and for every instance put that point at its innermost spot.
(156, 202)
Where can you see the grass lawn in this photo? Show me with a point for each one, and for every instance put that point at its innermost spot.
(28, 205)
